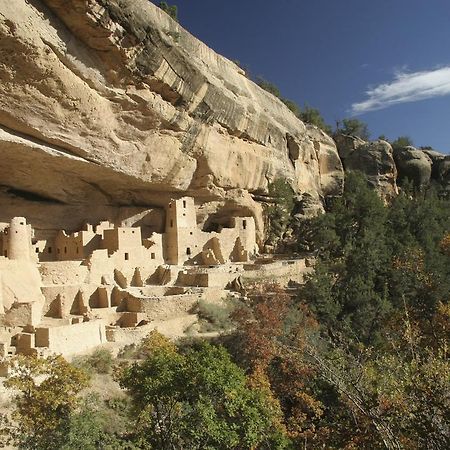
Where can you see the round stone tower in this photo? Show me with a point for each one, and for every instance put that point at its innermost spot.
(19, 239)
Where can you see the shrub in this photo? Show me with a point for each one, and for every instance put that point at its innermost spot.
(100, 361)
(313, 117)
(292, 106)
(278, 213)
(268, 86)
(128, 352)
(171, 10)
(353, 127)
(402, 141)
(45, 399)
(215, 316)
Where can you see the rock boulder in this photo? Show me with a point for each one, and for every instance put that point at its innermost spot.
(374, 159)
(414, 165)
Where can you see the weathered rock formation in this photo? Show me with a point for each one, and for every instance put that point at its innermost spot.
(414, 165)
(109, 107)
(444, 173)
(347, 144)
(440, 167)
(384, 166)
(374, 159)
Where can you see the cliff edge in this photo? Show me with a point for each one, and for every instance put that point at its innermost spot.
(109, 107)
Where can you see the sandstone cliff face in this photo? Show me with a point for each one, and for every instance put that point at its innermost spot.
(109, 107)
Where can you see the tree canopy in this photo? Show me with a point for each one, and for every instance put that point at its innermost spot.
(402, 141)
(171, 10)
(198, 400)
(353, 127)
(46, 394)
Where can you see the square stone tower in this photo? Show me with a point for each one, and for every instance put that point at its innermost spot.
(181, 230)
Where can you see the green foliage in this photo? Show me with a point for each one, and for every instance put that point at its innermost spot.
(353, 127)
(49, 412)
(214, 316)
(320, 294)
(364, 249)
(171, 10)
(414, 394)
(46, 396)
(402, 141)
(100, 361)
(379, 360)
(129, 351)
(380, 291)
(348, 288)
(197, 400)
(87, 429)
(292, 106)
(420, 269)
(313, 117)
(268, 86)
(279, 212)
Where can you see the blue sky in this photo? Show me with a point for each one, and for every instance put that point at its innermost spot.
(386, 61)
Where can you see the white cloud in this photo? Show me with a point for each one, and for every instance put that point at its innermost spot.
(406, 87)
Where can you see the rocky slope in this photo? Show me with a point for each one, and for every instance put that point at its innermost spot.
(109, 107)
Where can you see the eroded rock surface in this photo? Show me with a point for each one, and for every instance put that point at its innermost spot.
(109, 107)
(414, 165)
(347, 144)
(440, 167)
(374, 159)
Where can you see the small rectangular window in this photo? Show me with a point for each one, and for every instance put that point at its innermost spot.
(244, 224)
(6, 253)
(153, 256)
(127, 256)
(37, 250)
(188, 251)
(49, 249)
(171, 223)
(65, 249)
(184, 203)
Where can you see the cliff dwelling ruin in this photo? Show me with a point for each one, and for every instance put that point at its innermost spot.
(124, 124)
(73, 291)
